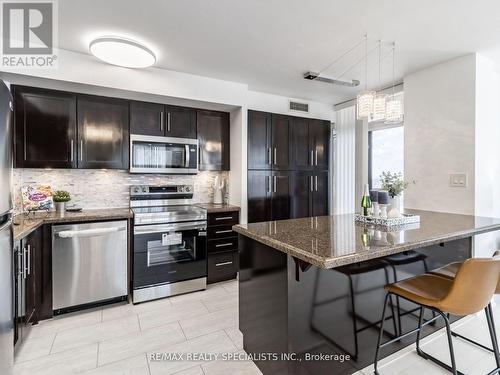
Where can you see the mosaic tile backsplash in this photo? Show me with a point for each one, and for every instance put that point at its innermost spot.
(95, 188)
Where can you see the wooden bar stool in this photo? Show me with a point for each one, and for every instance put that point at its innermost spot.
(468, 293)
(450, 271)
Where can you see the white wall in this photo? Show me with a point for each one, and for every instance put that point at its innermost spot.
(440, 135)
(487, 155)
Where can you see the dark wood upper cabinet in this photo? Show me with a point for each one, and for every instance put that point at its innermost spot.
(213, 140)
(319, 140)
(280, 135)
(302, 157)
(103, 132)
(162, 120)
(259, 140)
(180, 122)
(45, 128)
(147, 118)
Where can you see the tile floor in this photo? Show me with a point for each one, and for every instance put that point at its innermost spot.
(116, 340)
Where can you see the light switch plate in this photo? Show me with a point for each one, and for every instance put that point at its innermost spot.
(458, 180)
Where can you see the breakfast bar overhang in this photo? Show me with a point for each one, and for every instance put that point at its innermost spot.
(311, 290)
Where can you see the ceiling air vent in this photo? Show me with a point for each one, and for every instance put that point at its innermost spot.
(298, 106)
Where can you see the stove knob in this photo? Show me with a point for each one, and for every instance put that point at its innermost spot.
(144, 189)
(136, 189)
(188, 189)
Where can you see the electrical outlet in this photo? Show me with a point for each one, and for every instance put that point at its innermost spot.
(458, 180)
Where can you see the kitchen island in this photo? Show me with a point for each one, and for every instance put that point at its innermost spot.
(311, 290)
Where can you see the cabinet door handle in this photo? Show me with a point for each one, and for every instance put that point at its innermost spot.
(316, 157)
(24, 263)
(19, 262)
(29, 260)
(270, 189)
(312, 157)
(161, 121)
(223, 231)
(81, 150)
(275, 156)
(311, 183)
(168, 121)
(275, 182)
(269, 156)
(223, 218)
(316, 183)
(224, 244)
(223, 264)
(72, 150)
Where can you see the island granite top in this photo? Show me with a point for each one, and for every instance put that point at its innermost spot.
(337, 240)
(24, 224)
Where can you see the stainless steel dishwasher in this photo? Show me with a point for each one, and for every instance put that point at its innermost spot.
(89, 263)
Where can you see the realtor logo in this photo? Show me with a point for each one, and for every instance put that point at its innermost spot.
(29, 33)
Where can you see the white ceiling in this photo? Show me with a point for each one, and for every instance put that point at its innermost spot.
(269, 44)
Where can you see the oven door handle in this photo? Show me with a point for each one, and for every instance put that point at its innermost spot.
(147, 229)
(188, 156)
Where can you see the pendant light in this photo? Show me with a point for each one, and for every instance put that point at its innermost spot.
(394, 106)
(365, 98)
(379, 100)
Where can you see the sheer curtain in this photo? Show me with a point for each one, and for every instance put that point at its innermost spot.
(344, 165)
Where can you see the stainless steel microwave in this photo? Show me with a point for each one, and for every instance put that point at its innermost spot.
(150, 154)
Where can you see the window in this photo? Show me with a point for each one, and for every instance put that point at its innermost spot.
(386, 153)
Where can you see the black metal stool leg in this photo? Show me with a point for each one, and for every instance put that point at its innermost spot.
(493, 336)
(453, 367)
(354, 317)
(380, 333)
(396, 332)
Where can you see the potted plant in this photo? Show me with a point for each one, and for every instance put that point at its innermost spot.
(60, 198)
(394, 184)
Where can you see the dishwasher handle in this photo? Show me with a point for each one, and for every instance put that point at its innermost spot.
(88, 232)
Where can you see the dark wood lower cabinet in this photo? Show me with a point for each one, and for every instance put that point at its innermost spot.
(222, 246)
(281, 195)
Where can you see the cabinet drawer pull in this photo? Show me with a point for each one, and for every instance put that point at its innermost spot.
(223, 264)
(223, 231)
(224, 244)
(224, 218)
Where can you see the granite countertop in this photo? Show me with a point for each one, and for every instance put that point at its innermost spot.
(332, 241)
(214, 208)
(27, 224)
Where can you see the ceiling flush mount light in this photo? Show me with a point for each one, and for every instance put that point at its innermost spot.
(122, 52)
(365, 98)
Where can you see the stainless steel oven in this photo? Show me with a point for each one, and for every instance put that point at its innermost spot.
(170, 246)
(167, 254)
(149, 154)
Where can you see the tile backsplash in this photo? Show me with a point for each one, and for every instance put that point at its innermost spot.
(95, 188)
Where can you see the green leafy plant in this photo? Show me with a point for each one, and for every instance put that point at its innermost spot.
(61, 196)
(393, 183)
